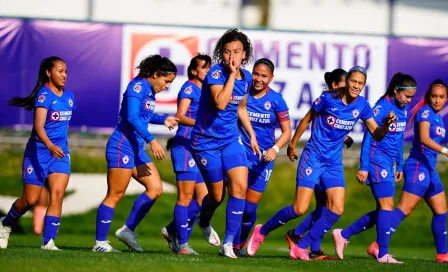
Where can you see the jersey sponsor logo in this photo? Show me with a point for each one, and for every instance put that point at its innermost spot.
(397, 127)
(188, 90)
(425, 114)
(29, 170)
(393, 127)
(70, 102)
(137, 87)
(61, 115)
(331, 120)
(339, 123)
(308, 171)
(216, 74)
(440, 131)
(376, 111)
(236, 99)
(41, 98)
(125, 159)
(54, 116)
(267, 105)
(204, 161)
(355, 113)
(384, 173)
(191, 163)
(421, 176)
(150, 105)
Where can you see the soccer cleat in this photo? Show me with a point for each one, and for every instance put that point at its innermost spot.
(210, 235)
(127, 236)
(103, 246)
(339, 243)
(388, 259)
(442, 258)
(373, 250)
(321, 256)
(299, 253)
(4, 233)
(49, 246)
(255, 241)
(226, 250)
(38, 219)
(171, 238)
(186, 249)
(240, 253)
(292, 238)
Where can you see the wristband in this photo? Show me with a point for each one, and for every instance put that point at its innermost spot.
(278, 149)
(444, 150)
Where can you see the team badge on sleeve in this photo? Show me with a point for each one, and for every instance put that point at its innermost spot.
(216, 74)
(137, 87)
(355, 113)
(70, 102)
(384, 173)
(188, 90)
(41, 99)
(267, 105)
(425, 114)
(376, 111)
(317, 101)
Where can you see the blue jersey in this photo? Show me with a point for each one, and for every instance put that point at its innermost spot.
(188, 91)
(420, 152)
(390, 150)
(58, 116)
(216, 128)
(334, 122)
(264, 114)
(135, 127)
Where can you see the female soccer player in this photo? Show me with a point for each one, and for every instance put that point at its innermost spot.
(337, 112)
(266, 108)
(46, 158)
(377, 166)
(189, 180)
(216, 141)
(334, 80)
(421, 179)
(126, 155)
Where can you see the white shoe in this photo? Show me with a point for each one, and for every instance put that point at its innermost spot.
(227, 251)
(103, 246)
(50, 246)
(4, 233)
(210, 235)
(127, 236)
(171, 238)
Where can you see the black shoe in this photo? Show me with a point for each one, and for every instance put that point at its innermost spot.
(320, 255)
(292, 238)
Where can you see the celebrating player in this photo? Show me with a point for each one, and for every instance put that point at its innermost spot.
(266, 108)
(126, 155)
(377, 166)
(46, 158)
(216, 141)
(337, 112)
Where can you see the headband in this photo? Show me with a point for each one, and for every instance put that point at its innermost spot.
(358, 69)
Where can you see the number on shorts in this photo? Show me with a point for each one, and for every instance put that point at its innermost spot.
(268, 175)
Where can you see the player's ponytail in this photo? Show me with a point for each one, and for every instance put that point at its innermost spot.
(425, 100)
(156, 64)
(335, 76)
(401, 82)
(42, 78)
(195, 62)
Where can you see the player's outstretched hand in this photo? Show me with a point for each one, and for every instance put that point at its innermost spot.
(398, 176)
(291, 152)
(390, 118)
(362, 176)
(143, 170)
(270, 155)
(56, 151)
(255, 147)
(171, 122)
(157, 150)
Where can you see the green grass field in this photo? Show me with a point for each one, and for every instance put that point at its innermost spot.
(412, 243)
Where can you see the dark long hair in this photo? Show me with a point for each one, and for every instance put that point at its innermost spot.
(195, 62)
(156, 64)
(42, 78)
(399, 81)
(425, 100)
(232, 35)
(336, 76)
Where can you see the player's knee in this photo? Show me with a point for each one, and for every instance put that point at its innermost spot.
(300, 209)
(239, 190)
(115, 197)
(338, 209)
(29, 200)
(155, 192)
(184, 199)
(387, 205)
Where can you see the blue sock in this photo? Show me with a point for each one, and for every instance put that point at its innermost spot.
(237, 238)
(365, 222)
(207, 211)
(316, 244)
(12, 217)
(103, 220)
(318, 230)
(51, 226)
(280, 218)
(249, 218)
(383, 231)
(234, 216)
(141, 207)
(193, 211)
(181, 221)
(309, 221)
(395, 220)
(439, 232)
(171, 226)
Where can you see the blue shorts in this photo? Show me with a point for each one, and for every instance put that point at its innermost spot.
(259, 172)
(214, 163)
(421, 181)
(120, 153)
(184, 165)
(381, 180)
(311, 171)
(382, 190)
(38, 164)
